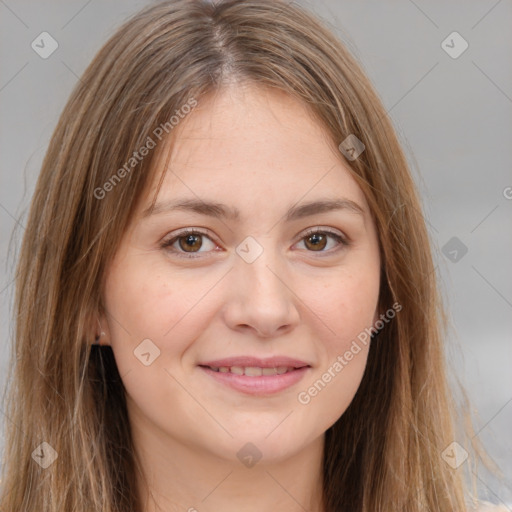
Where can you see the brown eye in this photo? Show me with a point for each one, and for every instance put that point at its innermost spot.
(188, 243)
(316, 240)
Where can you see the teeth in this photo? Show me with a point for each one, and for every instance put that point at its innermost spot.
(252, 371)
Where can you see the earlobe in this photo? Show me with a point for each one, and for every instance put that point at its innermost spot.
(101, 337)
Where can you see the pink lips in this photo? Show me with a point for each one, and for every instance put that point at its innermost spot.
(261, 384)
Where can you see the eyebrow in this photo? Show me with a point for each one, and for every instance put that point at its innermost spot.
(219, 210)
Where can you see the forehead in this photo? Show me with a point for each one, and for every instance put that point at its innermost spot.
(243, 145)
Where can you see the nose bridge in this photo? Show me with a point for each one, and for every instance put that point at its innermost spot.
(261, 297)
(257, 265)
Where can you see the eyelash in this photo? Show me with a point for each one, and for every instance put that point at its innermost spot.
(167, 244)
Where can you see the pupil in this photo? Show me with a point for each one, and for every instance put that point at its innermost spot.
(317, 240)
(189, 240)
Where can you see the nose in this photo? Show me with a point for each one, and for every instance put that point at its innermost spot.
(261, 297)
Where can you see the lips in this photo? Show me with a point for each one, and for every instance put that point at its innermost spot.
(244, 362)
(252, 371)
(256, 376)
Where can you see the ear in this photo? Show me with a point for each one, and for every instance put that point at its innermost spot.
(101, 329)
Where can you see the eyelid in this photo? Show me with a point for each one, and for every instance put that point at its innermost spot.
(322, 229)
(343, 240)
(167, 242)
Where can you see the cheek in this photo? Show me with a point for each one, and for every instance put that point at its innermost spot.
(150, 323)
(347, 306)
(346, 311)
(148, 302)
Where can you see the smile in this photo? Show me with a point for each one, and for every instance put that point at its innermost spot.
(252, 371)
(253, 380)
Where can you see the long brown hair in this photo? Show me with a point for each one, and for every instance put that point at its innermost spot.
(385, 452)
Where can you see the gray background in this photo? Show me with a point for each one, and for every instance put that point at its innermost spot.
(453, 116)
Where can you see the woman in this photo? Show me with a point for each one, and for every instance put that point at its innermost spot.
(225, 294)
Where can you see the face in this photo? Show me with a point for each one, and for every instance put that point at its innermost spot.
(290, 285)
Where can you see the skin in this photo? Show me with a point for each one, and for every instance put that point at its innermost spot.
(261, 152)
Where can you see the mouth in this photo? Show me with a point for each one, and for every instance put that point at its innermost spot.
(252, 371)
(262, 379)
